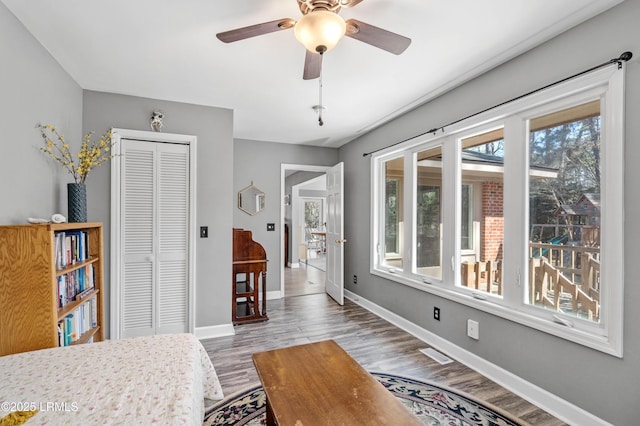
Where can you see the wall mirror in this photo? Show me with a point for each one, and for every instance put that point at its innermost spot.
(251, 200)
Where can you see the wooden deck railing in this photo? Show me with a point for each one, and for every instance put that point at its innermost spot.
(483, 276)
(564, 278)
(551, 288)
(567, 259)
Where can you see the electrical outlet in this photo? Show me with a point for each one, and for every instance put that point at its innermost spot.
(436, 313)
(355, 279)
(204, 232)
(473, 329)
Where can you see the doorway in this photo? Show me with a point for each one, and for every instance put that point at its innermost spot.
(303, 211)
(152, 218)
(314, 224)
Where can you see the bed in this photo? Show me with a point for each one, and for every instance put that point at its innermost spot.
(161, 379)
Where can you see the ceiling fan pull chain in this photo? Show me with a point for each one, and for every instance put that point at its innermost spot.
(320, 122)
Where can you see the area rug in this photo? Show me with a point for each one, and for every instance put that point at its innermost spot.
(433, 404)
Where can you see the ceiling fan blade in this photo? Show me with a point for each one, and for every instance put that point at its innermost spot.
(256, 30)
(349, 3)
(312, 65)
(383, 39)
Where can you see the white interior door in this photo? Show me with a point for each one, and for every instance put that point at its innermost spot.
(152, 282)
(137, 252)
(334, 285)
(172, 242)
(155, 194)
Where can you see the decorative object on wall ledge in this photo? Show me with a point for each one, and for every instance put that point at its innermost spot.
(90, 156)
(156, 120)
(251, 200)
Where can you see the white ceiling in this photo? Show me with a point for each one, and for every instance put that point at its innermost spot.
(167, 49)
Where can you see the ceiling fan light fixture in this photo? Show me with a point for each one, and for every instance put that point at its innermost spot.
(320, 30)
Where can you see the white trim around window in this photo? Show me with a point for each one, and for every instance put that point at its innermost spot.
(604, 334)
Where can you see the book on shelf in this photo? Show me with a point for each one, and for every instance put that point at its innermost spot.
(78, 322)
(58, 239)
(71, 247)
(84, 294)
(75, 285)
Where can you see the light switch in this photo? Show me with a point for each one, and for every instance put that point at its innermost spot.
(271, 226)
(204, 232)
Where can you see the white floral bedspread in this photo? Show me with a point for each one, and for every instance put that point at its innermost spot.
(146, 380)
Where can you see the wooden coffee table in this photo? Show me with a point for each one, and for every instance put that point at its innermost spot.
(319, 383)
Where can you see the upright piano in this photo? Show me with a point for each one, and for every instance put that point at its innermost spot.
(249, 278)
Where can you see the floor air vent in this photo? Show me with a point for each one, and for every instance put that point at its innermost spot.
(437, 356)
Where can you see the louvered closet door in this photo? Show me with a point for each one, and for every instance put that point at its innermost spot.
(155, 200)
(172, 243)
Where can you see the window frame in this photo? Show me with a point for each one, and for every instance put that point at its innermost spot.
(606, 84)
(380, 246)
(388, 255)
(414, 183)
(473, 213)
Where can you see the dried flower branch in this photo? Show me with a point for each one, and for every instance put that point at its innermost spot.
(89, 157)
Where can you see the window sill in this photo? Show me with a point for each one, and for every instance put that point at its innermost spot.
(544, 321)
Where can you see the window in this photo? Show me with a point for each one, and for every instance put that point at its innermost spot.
(564, 210)
(393, 213)
(467, 222)
(313, 217)
(482, 165)
(429, 213)
(517, 212)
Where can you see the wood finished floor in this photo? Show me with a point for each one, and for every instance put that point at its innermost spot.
(375, 343)
(303, 280)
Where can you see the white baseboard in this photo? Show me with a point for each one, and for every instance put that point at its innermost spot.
(214, 331)
(549, 402)
(271, 295)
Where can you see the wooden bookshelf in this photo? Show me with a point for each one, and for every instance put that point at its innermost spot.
(29, 300)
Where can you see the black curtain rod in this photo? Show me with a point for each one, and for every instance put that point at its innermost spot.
(622, 58)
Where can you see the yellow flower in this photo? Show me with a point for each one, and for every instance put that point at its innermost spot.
(89, 156)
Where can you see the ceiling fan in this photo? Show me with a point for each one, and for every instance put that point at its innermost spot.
(320, 29)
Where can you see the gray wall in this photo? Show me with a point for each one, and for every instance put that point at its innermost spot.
(601, 384)
(214, 130)
(33, 89)
(260, 162)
